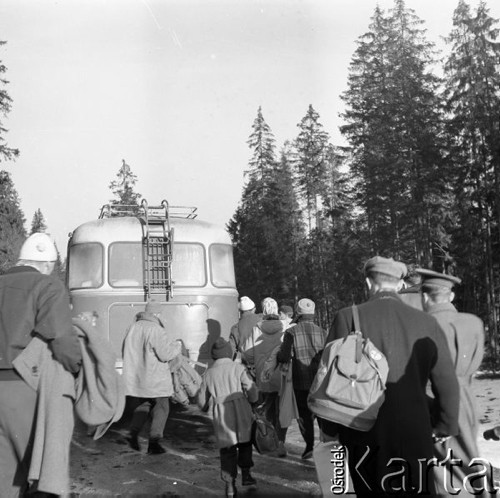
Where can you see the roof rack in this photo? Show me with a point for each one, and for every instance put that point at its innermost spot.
(161, 212)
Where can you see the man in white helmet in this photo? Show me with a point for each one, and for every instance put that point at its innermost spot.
(32, 303)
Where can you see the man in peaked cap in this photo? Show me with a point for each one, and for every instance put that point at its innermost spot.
(416, 351)
(465, 335)
(306, 340)
(242, 330)
(33, 305)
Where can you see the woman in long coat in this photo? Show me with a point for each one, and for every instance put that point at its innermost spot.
(230, 390)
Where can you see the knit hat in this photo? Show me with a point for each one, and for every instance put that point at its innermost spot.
(387, 266)
(246, 304)
(221, 349)
(305, 307)
(286, 310)
(269, 306)
(153, 307)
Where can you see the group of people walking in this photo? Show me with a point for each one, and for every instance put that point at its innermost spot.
(428, 415)
(269, 343)
(424, 439)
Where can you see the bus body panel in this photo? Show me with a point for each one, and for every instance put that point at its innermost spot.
(199, 312)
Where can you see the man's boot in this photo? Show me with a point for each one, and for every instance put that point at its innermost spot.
(155, 448)
(133, 441)
(231, 489)
(246, 478)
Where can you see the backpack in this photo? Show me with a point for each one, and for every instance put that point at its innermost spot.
(349, 385)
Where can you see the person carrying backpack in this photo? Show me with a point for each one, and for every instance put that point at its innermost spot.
(387, 459)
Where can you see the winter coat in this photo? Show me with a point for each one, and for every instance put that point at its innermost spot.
(266, 336)
(100, 396)
(465, 335)
(54, 421)
(416, 351)
(35, 304)
(242, 330)
(147, 349)
(229, 389)
(306, 341)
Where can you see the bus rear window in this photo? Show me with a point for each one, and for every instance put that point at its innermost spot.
(188, 265)
(85, 266)
(221, 265)
(126, 264)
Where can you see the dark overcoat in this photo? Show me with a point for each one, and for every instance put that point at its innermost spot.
(416, 351)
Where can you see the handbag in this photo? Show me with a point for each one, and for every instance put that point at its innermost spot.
(264, 435)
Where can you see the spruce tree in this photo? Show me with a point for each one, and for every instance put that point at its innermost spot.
(265, 229)
(12, 231)
(38, 222)
(473, 99)
(311, 152)
(123, 187)
(6, 152)
(394, 129)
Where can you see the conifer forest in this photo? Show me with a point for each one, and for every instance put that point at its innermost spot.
(417, 177)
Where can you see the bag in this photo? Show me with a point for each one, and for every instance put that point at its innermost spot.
(264, 435)
(185, 378)
(349, 386)
(288, 409)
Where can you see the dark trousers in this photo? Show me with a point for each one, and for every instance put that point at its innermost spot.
(307, 425)
(268, 405)
(157, 408)
(17, 416)
(232, 457)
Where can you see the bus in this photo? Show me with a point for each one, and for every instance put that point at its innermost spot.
(132, 254)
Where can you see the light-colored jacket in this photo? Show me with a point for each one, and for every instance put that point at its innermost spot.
(49, 464)
(100, 396)
(147, 349)
(228, 387)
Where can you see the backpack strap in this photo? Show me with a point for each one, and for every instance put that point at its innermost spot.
(355, 318)
(357, 329)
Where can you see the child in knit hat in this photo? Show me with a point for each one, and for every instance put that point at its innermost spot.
(228, 388)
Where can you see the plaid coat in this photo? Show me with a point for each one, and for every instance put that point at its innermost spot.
(307, 341)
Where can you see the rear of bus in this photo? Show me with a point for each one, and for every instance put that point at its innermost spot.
(107, 263)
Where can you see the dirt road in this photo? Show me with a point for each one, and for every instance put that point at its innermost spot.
(189, 468)
(108, 467)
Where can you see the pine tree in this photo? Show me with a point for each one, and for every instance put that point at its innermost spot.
(38, 222)
(12, 231)
(6, 152)
(123, 187)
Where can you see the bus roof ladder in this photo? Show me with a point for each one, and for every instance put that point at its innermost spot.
(157, 248)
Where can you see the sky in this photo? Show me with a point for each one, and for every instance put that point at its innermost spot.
(173, 87)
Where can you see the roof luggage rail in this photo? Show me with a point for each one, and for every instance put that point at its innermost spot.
(151, 212)
(157, 240)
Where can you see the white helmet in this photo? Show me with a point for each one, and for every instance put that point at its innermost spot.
(38, 247)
